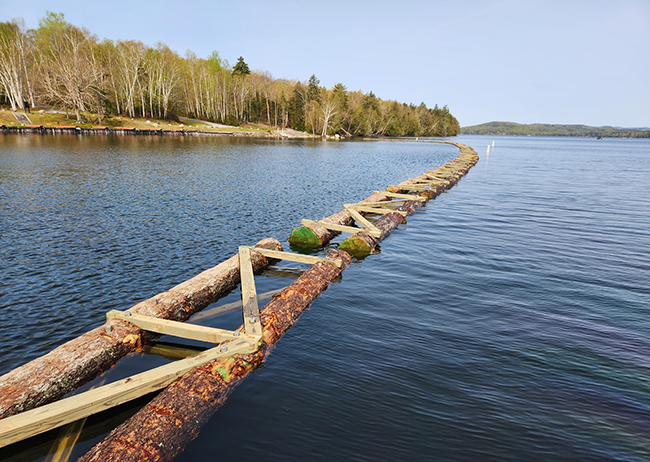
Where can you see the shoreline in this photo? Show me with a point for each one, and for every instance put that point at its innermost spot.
(125, 131)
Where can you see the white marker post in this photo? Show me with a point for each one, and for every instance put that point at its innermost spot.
(488, 150)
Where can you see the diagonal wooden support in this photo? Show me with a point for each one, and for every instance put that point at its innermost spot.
(178, 329)
(361, 220)
(410, 187)
(67, 410)
(434, 177)
(344, 229)
(297, 257)
(381, 203)
(377, 210)
(252, 322)
(410, 197)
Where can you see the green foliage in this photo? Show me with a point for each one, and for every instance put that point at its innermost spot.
(511, 128)
(241, 68)
(313, 90)
(67, 67)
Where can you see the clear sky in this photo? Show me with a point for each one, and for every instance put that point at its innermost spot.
(548, 61)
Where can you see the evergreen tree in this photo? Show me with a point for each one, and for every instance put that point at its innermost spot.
(313, 91)
(241, 68)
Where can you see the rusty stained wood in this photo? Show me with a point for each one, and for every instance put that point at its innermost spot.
(36, 421)
(252, 325)
(177, 329)
(297, 257)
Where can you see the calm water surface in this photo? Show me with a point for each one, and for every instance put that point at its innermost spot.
(509, 320)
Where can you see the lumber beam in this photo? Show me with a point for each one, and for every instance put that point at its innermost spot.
(362, 221)
(410, 197)
(177, 329)
(36, 421)
(297, 257)
(80, 360)
(410, 187)
(162, 429)
(375, 210)
(252, 324)
(344, 229)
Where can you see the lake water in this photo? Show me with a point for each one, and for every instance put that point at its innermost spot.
(509, 320)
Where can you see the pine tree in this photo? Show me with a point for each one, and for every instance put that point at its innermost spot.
(241, 68)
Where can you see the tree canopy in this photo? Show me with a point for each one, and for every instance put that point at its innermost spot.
(68, 67)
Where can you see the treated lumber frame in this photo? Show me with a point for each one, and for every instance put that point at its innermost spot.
(36, 421)
(410, 197)
(64, 369)
(161, 429)
(296, 257)
(344, 229)
(178, 329)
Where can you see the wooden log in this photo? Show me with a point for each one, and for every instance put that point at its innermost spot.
(80, 360)
(363, 244)
(313, 235)
(161, 429)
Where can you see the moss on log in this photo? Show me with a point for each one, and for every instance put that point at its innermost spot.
(80, 360)
(314, 236)
(161, 429)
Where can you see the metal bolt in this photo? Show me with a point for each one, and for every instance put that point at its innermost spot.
(252, 320)
(236, 334)
(224, 348)
(109, 328)
(127, 313)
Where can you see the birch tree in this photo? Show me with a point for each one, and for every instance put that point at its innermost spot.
(15, 46)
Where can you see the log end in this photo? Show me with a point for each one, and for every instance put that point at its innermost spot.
(358, 245)
(305, 237)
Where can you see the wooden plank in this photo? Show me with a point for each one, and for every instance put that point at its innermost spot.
(434, 177)
(344, 229)
(410, 187)
(377, 210)
(252, 322)
(410, 197)
(177, 329)
(35, 421)
(361, 220)
(381, 203)
(310, 259)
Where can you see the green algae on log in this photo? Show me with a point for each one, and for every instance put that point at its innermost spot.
(161, 429)
(80, 360)
(314, 236)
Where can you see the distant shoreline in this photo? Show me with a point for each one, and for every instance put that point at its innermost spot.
(515, 129)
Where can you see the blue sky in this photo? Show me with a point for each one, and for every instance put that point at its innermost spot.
(548, 61)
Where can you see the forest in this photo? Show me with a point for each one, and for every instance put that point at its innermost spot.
(511, 128)
(67, 67)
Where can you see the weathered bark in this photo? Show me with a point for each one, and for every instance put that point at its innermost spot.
(161, 430)
(78, 361)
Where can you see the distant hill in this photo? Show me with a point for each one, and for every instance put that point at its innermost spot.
(511, 128)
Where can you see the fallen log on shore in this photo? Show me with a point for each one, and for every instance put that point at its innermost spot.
(80, 360)
(162, 429)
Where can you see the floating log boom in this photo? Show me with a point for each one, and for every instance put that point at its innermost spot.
(80, 360)
(161, 429)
